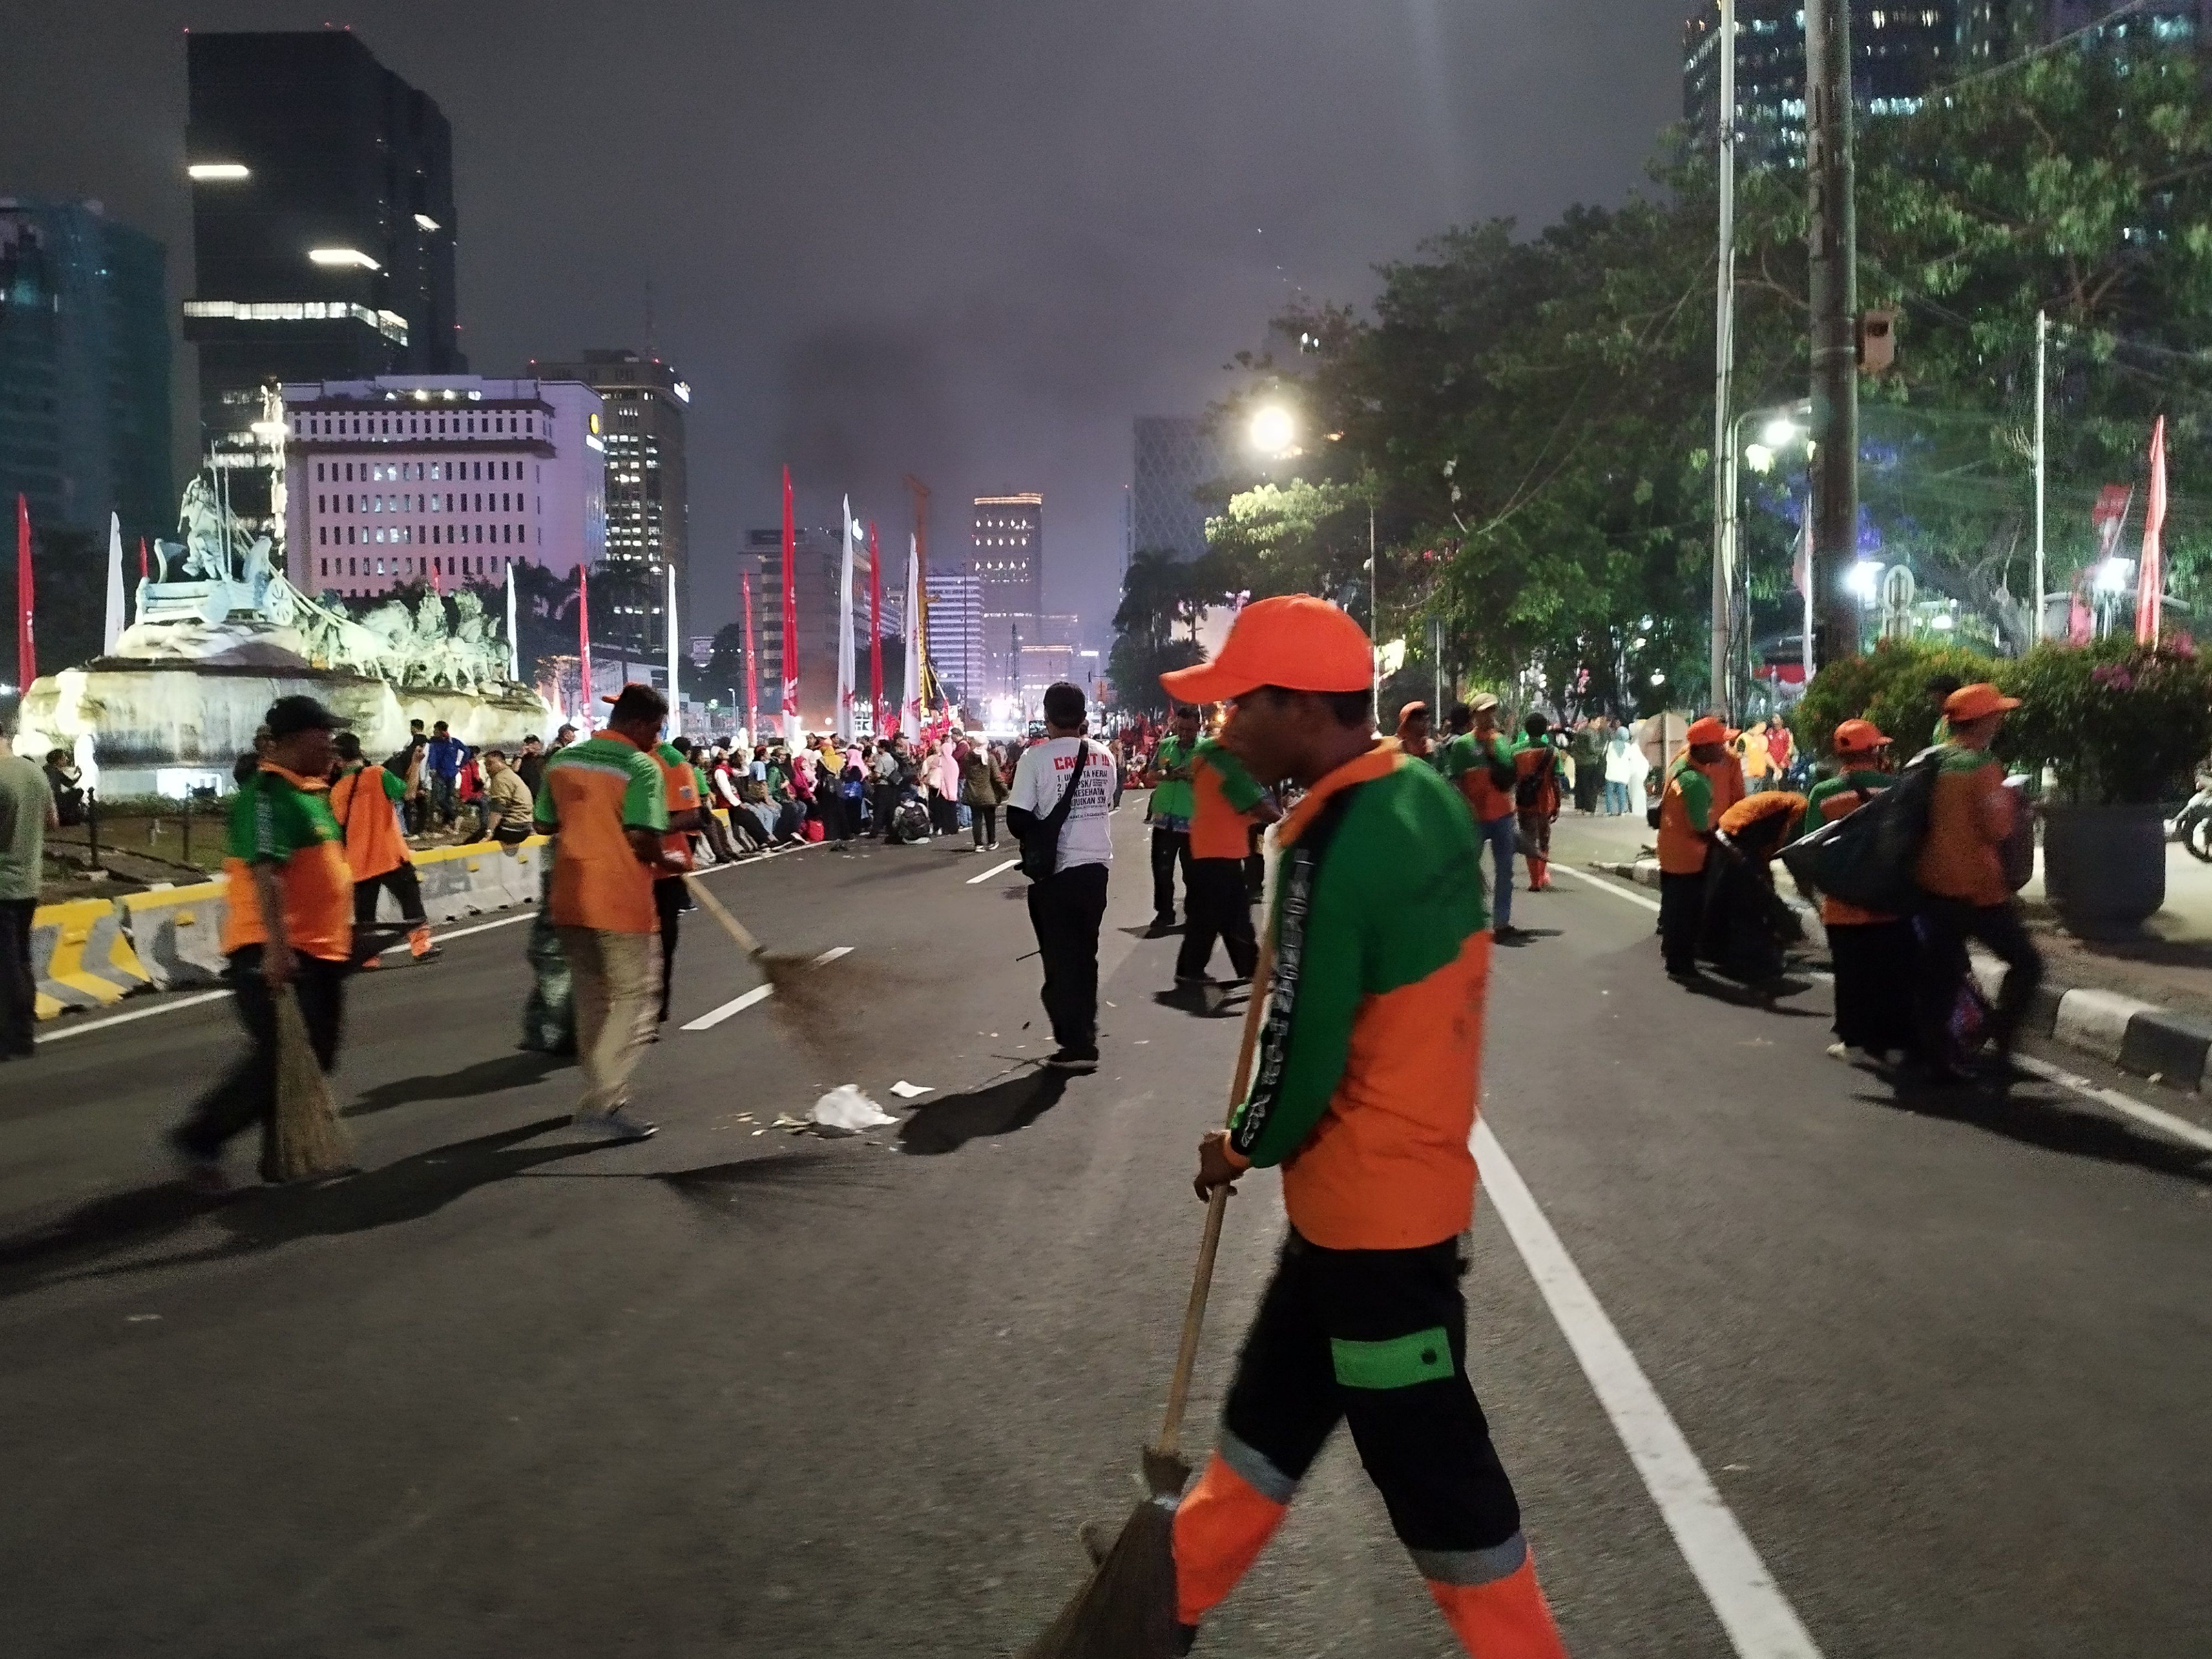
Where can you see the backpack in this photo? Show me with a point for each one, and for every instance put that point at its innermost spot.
(1867, 857)
(1529, 791)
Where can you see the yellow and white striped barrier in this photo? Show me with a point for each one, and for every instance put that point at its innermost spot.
(178, 932)
(81, 958)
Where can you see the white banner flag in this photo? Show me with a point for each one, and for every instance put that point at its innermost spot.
(846, 666)
(910, 704)
(113, 631)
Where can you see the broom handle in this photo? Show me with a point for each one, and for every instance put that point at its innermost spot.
(1201, 1284)
(713, 906)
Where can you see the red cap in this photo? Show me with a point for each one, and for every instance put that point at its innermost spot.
(1859, 737)
(1298, 643)
(1708, 730)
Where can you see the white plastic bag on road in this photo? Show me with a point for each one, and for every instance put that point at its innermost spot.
(846, 1108)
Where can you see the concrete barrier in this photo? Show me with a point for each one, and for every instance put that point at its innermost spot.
(81, 958)
(177, 933)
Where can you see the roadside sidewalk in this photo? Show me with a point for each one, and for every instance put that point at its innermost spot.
(2143, 1002)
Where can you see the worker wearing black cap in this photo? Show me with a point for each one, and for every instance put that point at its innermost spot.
(288, 921)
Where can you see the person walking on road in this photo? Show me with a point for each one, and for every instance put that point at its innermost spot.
(1068, 774)
(1625, 767)
(1364, 1094)
(366, 801)
(606, 801)
(1702, 783)
(980, 792)
(288, 921)
(1536, 795)
(1586, 749)
(1876, 955)
(1482, 764)
(26, 812)
(1225, 803)
(1170, 814)
(1961, 870)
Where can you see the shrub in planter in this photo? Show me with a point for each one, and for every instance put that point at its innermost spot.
(1888, 686)
(2119, 723)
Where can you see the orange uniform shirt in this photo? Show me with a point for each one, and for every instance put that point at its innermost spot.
(362, 803)
(1967, 822)
(593, 793)
(1222, 795)
(280, 819)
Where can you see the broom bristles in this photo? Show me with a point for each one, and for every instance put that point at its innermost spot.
(1127, 1610)
(306, 1140)
(814, 1000)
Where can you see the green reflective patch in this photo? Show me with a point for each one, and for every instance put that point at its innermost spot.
(1399, 1363)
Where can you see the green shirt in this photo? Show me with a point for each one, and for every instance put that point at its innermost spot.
(1172, 797)
(1696, 790)
(644, 799)
(1463, 753)
(25, 800)
(271, 818)
(1869, 780)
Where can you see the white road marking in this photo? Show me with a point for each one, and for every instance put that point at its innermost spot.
(1758, 1620)
(2142, 1111)
(461, 932)
(996, 869)
(1604, 884)
(759, 994)
(136, 1013)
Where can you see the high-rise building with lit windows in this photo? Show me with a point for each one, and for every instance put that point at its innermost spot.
(405, 479)
(648, 517)
(323, 224)
(1008, 559)
(1899, 51)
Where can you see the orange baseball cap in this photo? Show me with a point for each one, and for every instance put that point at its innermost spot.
(1708, 730)
(1972, 702)
(1298, 643)
(1857, 737)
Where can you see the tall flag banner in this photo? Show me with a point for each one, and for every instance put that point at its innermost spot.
(675, 690)
(1803, 578)
(142, 558)
(586, 716)
(845, 665)
(26, 652)
(910, 704)
(2150, 575)
(752, 678)
(790, 665)
(513, 640)
(115, 624)
(876, 710)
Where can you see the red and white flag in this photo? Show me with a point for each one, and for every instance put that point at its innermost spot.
(2150, 575)
(790, 621)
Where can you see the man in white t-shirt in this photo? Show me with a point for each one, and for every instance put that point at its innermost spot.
(1066, 907)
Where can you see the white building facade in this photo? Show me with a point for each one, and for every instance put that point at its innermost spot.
(405, 478)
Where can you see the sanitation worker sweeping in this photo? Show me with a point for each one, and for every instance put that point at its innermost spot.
(1363, 1092)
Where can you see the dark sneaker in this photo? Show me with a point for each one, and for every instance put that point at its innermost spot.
(1073, 1060)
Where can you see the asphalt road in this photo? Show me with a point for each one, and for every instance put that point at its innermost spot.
(737, 1390)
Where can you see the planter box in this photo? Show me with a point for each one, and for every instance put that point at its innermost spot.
(2104, 867)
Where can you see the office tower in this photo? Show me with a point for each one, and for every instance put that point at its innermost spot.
(1898, 53)
(392, 481)
(648, 517)
(1175, 458)
(84, 369)
(1008, 563)
(323, 229)
(955, 636)
(818, 555)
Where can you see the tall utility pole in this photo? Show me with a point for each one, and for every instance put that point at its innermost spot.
(2042, 353)
(1723, 376)
(1835, 335)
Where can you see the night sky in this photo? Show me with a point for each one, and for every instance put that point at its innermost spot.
(970, 239)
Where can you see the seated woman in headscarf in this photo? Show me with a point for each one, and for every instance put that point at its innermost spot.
(1747, 923)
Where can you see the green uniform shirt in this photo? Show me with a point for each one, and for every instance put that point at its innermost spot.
(1869, 780)
(270, 820)
(1172, 797)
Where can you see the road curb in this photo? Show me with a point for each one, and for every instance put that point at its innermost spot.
(2121, 1031)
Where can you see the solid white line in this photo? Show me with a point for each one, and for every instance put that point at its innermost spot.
(2179, 1127)
(1758, 1620)
(460, 932)
(996, 869)
(759, 994)
(136, 1013)
(1607, 884)
(734, 1006)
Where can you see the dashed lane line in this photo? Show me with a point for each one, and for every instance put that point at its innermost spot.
(996, 869)
(1758, 1618)
(759, 994)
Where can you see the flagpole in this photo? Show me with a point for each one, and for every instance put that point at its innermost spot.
(584, 717)
(845, 665)
(2150, 572)
(674, 687)
(26, 652)
(910, 705)
(114, 630)
(513, 646)
(790, 621)
(875, 632)
(2042, 351)
(752, 675)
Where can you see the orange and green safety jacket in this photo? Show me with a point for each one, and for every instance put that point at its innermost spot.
(1223, 794)
(1364, 1087)
(1690, 810)
(1968, 820)
(1838, 797)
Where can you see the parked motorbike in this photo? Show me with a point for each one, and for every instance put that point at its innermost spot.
(2192, 826)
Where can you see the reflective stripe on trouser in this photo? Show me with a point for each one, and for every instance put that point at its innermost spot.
(1377, 1338)
(616, 978)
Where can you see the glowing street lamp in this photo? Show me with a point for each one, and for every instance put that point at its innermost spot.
(1864, 580)
(1273, 430)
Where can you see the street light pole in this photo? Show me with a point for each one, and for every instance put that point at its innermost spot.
(2042, 351)
(1373, 624)
(1725, 479)
(1834, 320)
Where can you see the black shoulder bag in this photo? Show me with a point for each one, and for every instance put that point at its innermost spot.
(1041, 845)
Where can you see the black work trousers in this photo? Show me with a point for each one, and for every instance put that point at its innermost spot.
(1217, 906)
(1945, 926)
(1170, 848)
(1681, 914)
(668, 903)
(19, 987)
(1066, 908)
(402, 884)
(1377, 1338)
(247, 1092)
